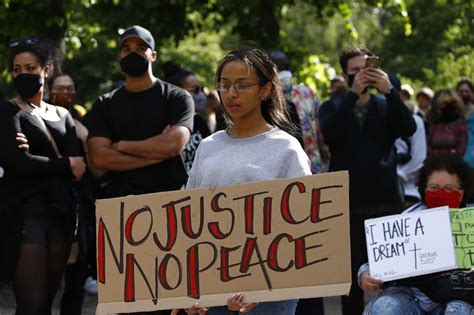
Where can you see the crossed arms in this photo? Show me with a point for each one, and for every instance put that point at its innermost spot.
(128, 155)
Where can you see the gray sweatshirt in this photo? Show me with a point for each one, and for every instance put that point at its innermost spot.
(222, 160)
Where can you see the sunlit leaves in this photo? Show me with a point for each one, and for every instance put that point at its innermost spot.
(424, 41)
(317, 74)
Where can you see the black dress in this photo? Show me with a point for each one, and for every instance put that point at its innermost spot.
(36, 200)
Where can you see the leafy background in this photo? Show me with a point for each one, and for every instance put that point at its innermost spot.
(424, 42)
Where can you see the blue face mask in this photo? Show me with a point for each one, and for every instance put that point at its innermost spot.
(286, 83)
(200, 102)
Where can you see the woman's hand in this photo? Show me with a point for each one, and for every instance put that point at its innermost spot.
(23, 142)
(235, 303)
(196, 309)
(370, 284)
(78, 166)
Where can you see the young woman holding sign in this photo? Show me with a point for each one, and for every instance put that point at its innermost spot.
(443, 181)
(257, 145)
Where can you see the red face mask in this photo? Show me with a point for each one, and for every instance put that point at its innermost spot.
(466, 98)
(439, 198)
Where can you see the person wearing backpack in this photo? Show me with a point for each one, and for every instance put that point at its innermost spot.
(360, 130)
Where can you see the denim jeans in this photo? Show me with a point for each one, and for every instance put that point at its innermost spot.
(287, 307)
(457, 307)
(402, 303)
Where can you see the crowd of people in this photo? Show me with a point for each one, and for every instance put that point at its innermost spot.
(153, 135)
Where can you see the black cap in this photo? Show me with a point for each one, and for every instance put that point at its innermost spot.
(280, 59)
(138, 32)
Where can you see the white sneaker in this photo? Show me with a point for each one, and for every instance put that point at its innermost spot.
(91, 286)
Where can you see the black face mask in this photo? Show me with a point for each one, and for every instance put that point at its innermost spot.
(449, 114)
(134, 65)
(27, 85)
(350, 79)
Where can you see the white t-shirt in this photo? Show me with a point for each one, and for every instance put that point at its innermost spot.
(222, 160)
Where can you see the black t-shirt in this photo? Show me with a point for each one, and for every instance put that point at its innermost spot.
(122, 115)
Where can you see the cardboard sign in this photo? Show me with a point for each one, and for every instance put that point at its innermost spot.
(462, 225)
(411, 244)
(273, 240)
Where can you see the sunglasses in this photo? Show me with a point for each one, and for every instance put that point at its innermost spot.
(29, 41)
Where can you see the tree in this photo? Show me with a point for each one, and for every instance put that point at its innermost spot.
(86, 35)
(431, 46)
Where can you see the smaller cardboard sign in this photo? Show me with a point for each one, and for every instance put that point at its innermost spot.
(411, 244)
(462, 225)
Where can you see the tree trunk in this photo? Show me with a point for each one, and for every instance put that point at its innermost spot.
(269, 23)
(54, 31)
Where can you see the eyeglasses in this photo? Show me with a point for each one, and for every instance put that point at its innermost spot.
(195, 90)
(448, 187)
(239, 87)
(29, 41)
(63, 88)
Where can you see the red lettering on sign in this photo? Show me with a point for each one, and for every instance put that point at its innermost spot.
(163, 272)
(267, 215)
(285, 203)
(225, 264)
(193, 270)
(131, 221)
(272, 257)
(186, 220)
(214, 228)
(102, 233)
(129, 288)
(249, 201)
(300, 250)
(172, 227)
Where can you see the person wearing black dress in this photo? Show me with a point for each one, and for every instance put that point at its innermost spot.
(38, 202)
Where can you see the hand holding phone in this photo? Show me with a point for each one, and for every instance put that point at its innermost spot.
(372, 62)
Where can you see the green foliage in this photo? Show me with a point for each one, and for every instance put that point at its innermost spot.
(308, 35)
(450, 68)
(425, 42)
(317, 74)
(198, 54)
(439, 50)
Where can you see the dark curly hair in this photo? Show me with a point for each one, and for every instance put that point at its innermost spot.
(444, 96)
(465, 81)
(454, 166)
(38, 47)
(174, 74)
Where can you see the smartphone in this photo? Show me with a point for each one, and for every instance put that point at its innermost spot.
(372, 62)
